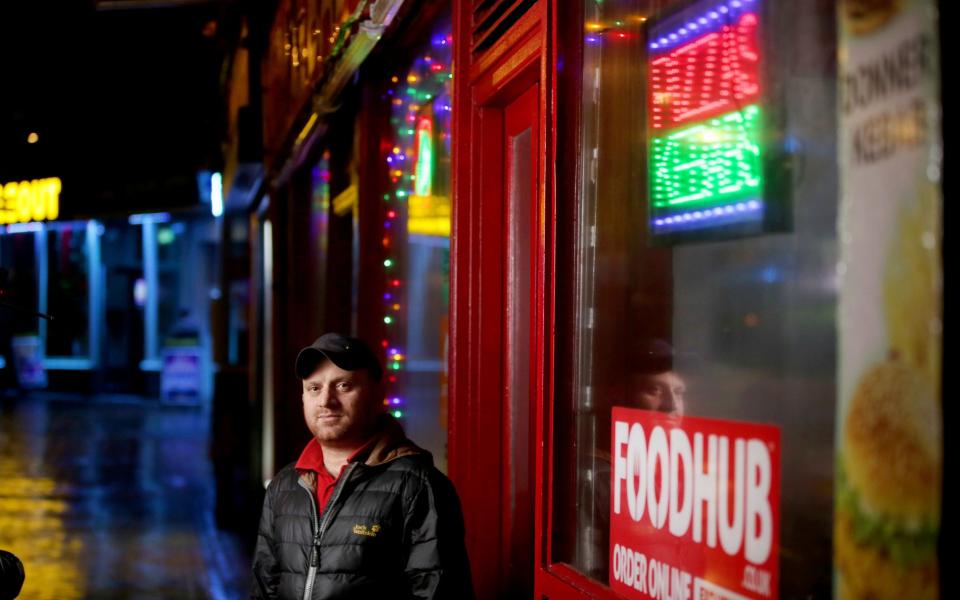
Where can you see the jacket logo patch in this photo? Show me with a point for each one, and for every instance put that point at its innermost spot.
(367, 531)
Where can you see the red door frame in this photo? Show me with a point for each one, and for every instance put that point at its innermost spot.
(526, 53)
(517, 61)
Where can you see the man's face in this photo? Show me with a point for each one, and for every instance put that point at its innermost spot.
(339, 406)
(662, 392)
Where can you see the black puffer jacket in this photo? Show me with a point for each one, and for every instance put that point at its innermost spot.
(392, 529)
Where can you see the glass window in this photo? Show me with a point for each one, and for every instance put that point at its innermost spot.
(733, 317)
(125, 300)
(18, 260)
(175, 319)
(416, 241)
(68, 294)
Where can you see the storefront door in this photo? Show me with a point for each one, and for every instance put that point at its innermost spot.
(520, 193)
(498, 260)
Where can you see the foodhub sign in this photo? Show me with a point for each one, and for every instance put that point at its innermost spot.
(694, 507)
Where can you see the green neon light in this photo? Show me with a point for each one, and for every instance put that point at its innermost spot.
(712, 162)
(423, 185)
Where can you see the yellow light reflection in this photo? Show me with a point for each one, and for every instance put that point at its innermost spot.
(32, 527)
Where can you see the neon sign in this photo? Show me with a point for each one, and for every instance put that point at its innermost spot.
(706, 117)
(712, 75)
(427, 214)
(423, 183)
(27, 201)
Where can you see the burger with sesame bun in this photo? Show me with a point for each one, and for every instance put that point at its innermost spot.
(889, 482)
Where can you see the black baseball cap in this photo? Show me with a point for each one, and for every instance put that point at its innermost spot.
(653, 355)
(348, 353)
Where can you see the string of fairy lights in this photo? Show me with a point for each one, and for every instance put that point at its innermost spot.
(421, 102)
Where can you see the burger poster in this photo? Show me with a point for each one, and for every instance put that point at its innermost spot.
(694, 507)
(889, 425)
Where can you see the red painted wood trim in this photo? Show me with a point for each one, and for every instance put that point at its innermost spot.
(562, 581)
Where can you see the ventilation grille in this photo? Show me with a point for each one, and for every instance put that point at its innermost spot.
(492, 18)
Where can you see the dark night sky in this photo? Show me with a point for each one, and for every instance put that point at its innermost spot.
(125, 101)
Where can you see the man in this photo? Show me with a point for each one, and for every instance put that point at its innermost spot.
(363, 513)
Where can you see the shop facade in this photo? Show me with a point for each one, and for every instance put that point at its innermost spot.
(587, 234)
(86, 295)
(681, 238)
(350, 230)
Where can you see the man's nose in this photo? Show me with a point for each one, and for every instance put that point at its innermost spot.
(324, 397)
(673, 403)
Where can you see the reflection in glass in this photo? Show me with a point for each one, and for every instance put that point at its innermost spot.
(416, 240)
(749, 323)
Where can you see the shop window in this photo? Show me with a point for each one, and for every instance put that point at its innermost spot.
(18, 261)
(178, 320)
(125, 302)
(68, 289)
(416, 241)
(719, 314)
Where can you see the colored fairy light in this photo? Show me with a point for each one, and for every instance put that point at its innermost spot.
(398, 414)
(420, 110)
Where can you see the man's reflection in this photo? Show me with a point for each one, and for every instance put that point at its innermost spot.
(652, 384)
(655, 385)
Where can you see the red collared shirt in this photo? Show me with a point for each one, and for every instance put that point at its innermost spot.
(311, 459)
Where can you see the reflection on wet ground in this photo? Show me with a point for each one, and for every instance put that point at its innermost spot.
(106, 500)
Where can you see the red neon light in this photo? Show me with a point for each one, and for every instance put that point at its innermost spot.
(712, 75)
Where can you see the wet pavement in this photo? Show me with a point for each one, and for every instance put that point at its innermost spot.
(112, 500)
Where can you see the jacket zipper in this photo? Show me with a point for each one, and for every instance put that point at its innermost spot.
(319, 528)
(312, 573)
